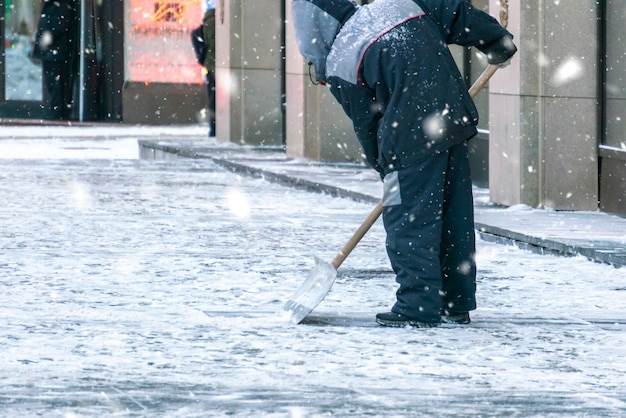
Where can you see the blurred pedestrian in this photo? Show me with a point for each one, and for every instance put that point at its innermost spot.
(388, 65)
(54, 45)
(203, 41)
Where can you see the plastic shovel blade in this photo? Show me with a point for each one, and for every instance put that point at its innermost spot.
(311, 292)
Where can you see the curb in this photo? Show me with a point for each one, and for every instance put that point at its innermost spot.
(603, 252)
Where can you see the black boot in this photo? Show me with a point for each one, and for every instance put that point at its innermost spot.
(392, 319)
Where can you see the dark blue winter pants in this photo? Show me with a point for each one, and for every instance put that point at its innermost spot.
(429, 218)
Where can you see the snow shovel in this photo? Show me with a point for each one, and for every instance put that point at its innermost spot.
(321, 278)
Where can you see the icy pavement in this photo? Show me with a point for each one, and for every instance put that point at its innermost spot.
(150, 288)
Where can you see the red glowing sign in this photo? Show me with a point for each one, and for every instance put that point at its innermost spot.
(167, 12)
(159, 41)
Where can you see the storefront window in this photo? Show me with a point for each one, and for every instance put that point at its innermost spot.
(22, 75)
(158, 42)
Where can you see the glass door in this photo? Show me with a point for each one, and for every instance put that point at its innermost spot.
(21, 94)
(22, 74)
(32, 90)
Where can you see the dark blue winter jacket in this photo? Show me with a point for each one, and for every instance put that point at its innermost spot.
(389, 66)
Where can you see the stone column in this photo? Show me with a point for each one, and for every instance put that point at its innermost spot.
(543, 108)
(248, 72)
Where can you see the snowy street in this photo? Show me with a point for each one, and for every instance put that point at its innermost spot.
(150, 288)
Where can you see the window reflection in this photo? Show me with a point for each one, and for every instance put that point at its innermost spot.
(23, 75)
(158, 46)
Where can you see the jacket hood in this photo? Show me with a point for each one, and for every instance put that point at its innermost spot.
(317, 23)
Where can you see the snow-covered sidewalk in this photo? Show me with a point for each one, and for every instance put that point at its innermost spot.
(149, 288)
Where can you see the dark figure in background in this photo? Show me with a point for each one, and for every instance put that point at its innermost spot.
(54, 46)
(203, 41)
(388, 65)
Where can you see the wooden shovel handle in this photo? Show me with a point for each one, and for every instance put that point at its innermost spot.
(358, 234)
(378, 209)
(483, 79)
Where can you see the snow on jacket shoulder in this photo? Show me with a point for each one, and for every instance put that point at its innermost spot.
(389, 66)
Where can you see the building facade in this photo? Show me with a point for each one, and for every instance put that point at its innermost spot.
(552, 130)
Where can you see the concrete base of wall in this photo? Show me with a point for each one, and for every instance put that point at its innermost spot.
(163, 103)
